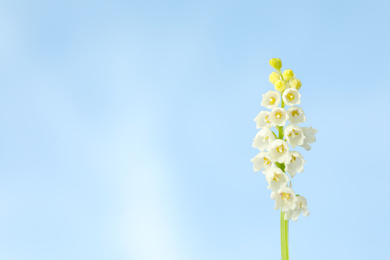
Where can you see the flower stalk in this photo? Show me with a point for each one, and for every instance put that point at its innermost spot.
(283, 222)
(279, 163)
(284, 236)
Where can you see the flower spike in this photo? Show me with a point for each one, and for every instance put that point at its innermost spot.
(278, 131)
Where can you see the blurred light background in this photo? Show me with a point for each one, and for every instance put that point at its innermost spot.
(126, 128)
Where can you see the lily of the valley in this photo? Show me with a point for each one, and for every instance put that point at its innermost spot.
(261, 161)
(301, 207)
(278, 116)
(276, 178)
(294, 163)
(279, 130)
(291, 97)
(263, 139)
(310, 137)
(262, 120)
(294, 135)
(271, 99)
(296, 115)
(285, 199)
(278, 151)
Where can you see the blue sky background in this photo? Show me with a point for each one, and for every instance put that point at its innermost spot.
(126, 128)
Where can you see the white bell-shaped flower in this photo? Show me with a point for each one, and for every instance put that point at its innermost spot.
(278, 116)
(294, 163)
(294, 135)
(278, 151)
(291, 97)
(263, 139)
(261, 161)
(271, 99)
(276, 178)
(301, 207)
(296, 115)
(309, 133)
(285, 199)
(262, 120)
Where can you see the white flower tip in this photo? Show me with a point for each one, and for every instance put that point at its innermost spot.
(306, 147)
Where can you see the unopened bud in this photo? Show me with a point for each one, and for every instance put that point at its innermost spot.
(280, 85)
(273, 77)
(288, 75)
(275, 63)
(296, 83)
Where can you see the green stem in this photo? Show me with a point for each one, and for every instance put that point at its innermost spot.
(280, 129)
(283, 222)
(281, 93)
(284, 236)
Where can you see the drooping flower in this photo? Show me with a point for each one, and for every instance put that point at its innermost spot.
(278, 116)
(285, 199)
(263, 139)
(294, 163)
(271, 99)
(301, 207)
(276, 178)
(261, 161)
(296, 115)
(278, 151)
(294, 135)
(291, 97)
(262, 120)
(310, 137)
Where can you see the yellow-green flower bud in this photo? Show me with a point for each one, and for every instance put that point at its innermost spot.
(275, 63)
(296, 83)
(273, 77)
(280, 85)
(288, 74)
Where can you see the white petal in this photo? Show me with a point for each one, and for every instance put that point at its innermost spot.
(262, 120)
(271, 99)
(278, 151)
(296, 115)
(278, 116)
(291, 97)
(294, 135)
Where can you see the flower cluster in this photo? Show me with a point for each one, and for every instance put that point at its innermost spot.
(278, 162)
